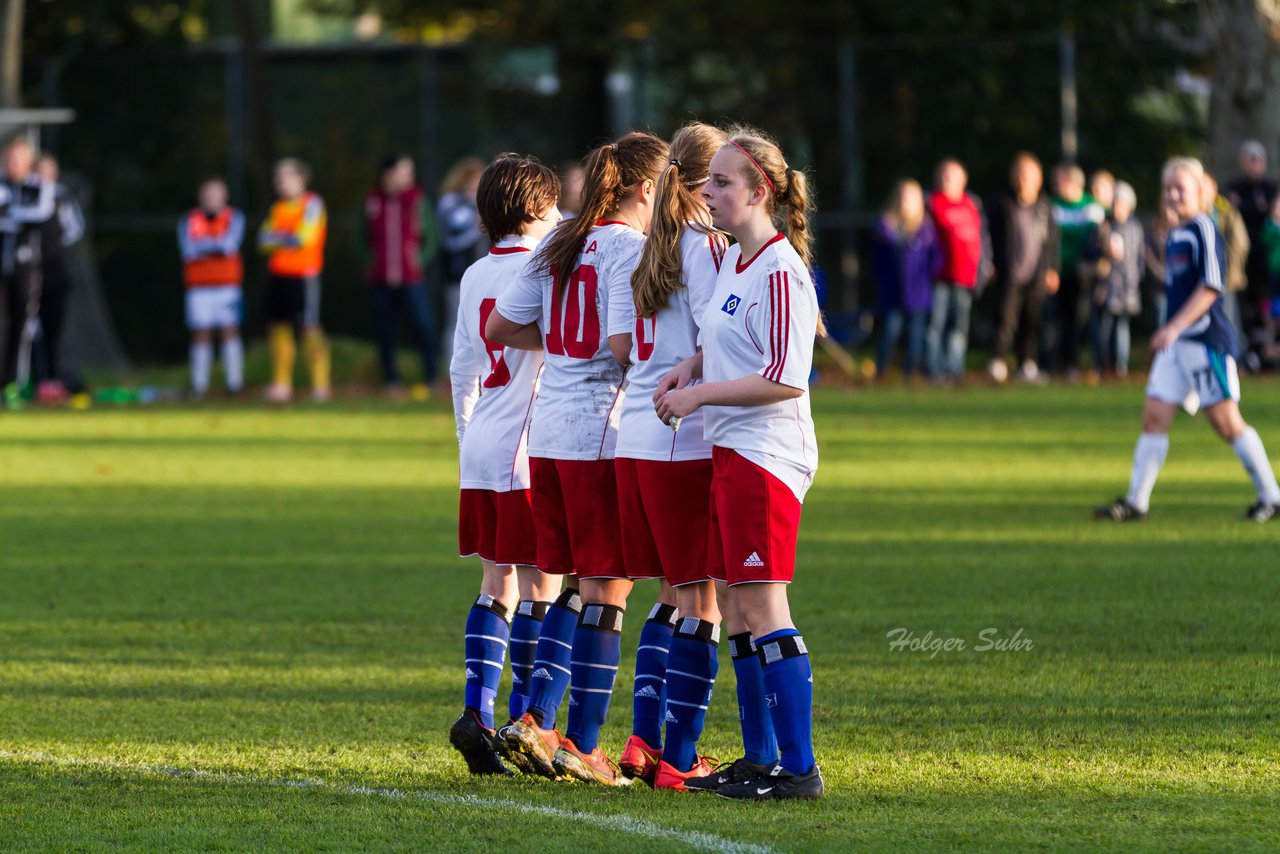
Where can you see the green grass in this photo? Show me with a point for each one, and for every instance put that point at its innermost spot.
(272, 596)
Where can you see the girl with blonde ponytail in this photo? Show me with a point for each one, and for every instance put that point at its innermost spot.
(565, 304)
(757, 338)
(664, 477)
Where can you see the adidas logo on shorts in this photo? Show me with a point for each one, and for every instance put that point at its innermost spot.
(647, 691)
(541, 673)
(471, 674)
(754, 560)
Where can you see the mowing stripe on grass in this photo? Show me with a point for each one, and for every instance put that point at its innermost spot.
(625, 824)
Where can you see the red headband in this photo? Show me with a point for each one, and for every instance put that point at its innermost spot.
(755, 164)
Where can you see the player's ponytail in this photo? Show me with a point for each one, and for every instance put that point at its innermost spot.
(613, 172)
(788, 188)
(675, 207)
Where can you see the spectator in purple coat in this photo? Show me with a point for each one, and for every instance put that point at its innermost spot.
(905, 260)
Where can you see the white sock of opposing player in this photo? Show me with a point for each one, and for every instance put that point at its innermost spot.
(1253, 456)
(201, 366)
(233, 363)
(1148, 457)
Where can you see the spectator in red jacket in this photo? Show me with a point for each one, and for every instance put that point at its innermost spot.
(957, 217)
(400, 237)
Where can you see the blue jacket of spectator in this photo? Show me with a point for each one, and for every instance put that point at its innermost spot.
(905, 267)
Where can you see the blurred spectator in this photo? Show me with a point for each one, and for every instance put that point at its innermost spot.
(905, 259)
(293, 237)
(1161, 224)
(1236, 236)
(1269, 242)
(571, 195)
(1102, 186)
(462, 243)
(209, 238)
(1114, 257)
(1076, 214)
(61, 231)
(1253, 193)
(26, 205)
(1024, 241)
(400, 239)
(958, 219)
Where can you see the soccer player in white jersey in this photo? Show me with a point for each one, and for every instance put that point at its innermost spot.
(562, 303)
(757, 339)
(664, 476)
(1194, 366)
(493, 393)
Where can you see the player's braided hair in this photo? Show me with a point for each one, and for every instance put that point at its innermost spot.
(788, 188)
(613, 172)
(675, 206)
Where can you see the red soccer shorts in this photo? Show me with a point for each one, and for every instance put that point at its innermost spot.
(755, 519)
(665, 508)
(575, 512)
(498, 526)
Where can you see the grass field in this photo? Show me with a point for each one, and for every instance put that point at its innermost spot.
(233, 628)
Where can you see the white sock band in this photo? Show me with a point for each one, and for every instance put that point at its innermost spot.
(1253, 456)
(1148, 456)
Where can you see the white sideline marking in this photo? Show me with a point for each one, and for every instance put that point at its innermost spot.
(626, 824)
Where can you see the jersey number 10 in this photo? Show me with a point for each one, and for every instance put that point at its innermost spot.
(575, 323)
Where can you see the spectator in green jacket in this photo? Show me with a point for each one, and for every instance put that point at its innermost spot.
(1076, 214)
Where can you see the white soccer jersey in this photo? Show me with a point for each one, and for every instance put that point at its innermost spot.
(762, 319)
(493, 386)
(658, 344)
(576, 415)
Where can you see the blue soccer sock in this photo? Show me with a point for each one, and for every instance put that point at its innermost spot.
(649, 706)
(758, 742)
(486, 648)
(550, 675)
(788, 683)
(691, 673)
(597, 649)
(526, 625)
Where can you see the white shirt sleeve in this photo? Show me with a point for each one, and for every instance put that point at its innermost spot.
(701, 268)
(521, 302)
(787, 328)
(621, 298)
(465, 371)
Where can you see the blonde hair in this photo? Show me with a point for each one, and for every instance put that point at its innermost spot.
(893, 208)
(788, 188)
(614, 171)
(675, 207)
(461, 174)
(1190, 165)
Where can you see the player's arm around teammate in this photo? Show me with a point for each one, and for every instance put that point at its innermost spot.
(572, 443)
(1194, 364)
(758, 337)
(664, 476)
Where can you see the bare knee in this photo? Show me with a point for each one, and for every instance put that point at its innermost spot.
(1157, 416)
(1226, 421)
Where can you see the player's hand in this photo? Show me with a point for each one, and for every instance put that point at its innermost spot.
(1164, 338)
(1051, 282)
(678, 377)
(678, 403)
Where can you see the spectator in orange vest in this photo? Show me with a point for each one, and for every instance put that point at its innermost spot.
(292, 237)
(209, 237)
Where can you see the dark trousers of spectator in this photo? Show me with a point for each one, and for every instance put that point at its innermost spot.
(1021, 312)
(1065, 316)
(388, 303)
(1109, 334)
(17, 287)
(892, 324)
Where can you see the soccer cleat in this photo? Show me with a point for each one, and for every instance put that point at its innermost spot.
(593, 767)
(538, 745)
(778, 785)
(738, 771)
(474, 741)
(522, 763)
(639, 760)
(1261, 511)
(669, 778)
(1119, 510)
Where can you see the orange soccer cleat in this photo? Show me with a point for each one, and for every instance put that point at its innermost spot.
(593, 767)
(639, 760)
(668, 777)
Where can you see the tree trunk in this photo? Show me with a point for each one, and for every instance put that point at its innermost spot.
(257, 91)
(11, 53)
(1245, 103)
